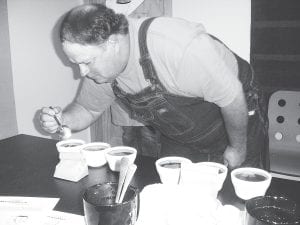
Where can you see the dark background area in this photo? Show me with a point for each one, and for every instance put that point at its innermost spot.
(275, 43)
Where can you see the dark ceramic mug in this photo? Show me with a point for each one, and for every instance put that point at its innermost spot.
(271, 210)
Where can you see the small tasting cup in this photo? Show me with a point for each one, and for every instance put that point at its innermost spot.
(168, 168)
(115, 154)
(70, 145)
(94, 153)
(100, 207)
(249, 182)
(221, 170)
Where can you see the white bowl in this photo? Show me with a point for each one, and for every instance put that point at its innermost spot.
(94, 153)
(70, 145)
(250, 182)
(115, 154)
(218, 168)
(168, 168)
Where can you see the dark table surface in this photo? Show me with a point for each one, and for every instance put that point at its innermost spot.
(27, 164)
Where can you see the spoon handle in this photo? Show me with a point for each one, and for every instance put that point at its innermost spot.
(124, 165)
(131, 170)
(56, 118)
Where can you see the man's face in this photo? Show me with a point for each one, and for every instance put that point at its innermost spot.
(100, 63)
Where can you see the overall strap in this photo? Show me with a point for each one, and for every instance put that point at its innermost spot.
(145, 59)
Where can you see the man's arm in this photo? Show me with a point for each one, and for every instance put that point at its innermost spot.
(212, 72)
(76, 117)
(90, 103)
(236, 120)
(92, 100)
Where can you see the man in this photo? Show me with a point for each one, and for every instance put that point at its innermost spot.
(168, 73)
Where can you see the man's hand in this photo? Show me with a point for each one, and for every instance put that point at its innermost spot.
(234, 157)
(47, 120)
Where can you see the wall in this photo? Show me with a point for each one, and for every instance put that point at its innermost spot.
(41, 74)
(229, 20)
(8, 120)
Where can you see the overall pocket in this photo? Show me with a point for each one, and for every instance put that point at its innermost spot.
(162, 115)
(170, 120)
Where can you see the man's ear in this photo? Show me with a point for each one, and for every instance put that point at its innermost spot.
(113, 41)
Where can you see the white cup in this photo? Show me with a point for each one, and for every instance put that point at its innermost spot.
(69, 146)
(94, 153)
(215, 168)
(168, 168)
(204, 178)
(250, 182)
(115, 154)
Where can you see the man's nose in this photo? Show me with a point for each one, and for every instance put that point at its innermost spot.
(84, 70)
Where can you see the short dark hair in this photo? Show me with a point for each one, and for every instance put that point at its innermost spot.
(91, 24)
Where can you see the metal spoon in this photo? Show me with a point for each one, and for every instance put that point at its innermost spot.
(63, 131)
(57, 120)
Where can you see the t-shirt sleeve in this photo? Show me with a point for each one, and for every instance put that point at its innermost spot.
(203, 72)
(95, 97)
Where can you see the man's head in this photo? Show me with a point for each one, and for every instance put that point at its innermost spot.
(96, 38)
(91, 24)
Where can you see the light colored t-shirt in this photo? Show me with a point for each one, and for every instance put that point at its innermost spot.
(187, 60)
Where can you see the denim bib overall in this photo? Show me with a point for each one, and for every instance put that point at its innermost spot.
(191, 127)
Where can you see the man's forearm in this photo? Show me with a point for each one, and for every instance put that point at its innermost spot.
(236, 120)
(77, 117)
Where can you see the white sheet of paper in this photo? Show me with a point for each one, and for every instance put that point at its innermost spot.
(62, 218)
(34, 211)
(17, 203)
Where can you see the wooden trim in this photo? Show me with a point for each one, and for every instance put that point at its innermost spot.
(276, 24)
(276, 57)
(168, 8)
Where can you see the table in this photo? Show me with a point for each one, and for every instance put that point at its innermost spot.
(27, 164)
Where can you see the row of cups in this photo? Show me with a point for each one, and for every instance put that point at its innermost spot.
(97, 154)
(248, 182)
